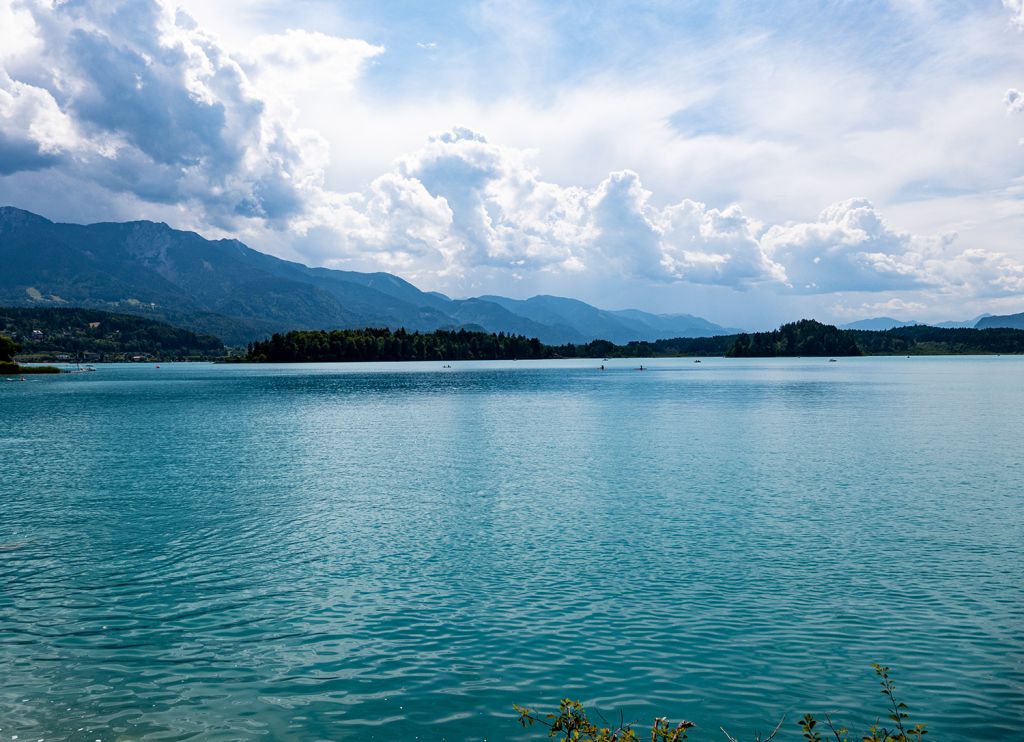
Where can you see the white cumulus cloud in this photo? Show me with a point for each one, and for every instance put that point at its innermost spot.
(299, 60)
(1014, 101)
(1016, 8)
(849, 248)
(462, 202)
(134, 100)
(852, 248)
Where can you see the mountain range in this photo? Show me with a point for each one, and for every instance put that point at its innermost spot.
(1015, 321)
(880, 324)
(227, 289)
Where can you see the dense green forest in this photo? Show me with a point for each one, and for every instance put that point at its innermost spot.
(94, 335)
(673, 348)
(384, 345)
(926, 340)
(804, 338)
(460, 345)
(811, 338)
(8, 349)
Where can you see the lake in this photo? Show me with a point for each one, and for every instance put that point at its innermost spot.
(402, 551)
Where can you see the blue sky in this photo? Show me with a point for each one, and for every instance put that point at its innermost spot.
(746, 161)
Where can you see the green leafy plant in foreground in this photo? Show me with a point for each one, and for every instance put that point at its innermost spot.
(898, 715)
(571, 724)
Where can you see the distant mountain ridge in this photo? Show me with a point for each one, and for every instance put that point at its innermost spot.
(227, 289)
(882, 324)
(1013, 321)
(617, 326)
(878, 324)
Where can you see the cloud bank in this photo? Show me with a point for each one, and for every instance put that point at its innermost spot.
(136, 101)
(462, 203)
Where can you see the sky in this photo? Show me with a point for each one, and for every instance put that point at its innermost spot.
(749, 162)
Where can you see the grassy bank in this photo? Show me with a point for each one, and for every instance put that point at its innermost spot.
(9, 367)
(15, 369)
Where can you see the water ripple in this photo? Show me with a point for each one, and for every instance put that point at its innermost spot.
(365, 553)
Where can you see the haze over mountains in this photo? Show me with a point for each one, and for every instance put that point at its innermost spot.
(227, 289)
(888, 323)
(878, 323)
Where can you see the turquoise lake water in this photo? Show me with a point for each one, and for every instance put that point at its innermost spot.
(397, 551)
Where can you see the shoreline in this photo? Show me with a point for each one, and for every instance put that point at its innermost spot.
(15, 369)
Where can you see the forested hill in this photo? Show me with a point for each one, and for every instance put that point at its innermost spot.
(926, 340)
(90, 334)
(811, 338)
(225, 288)
(803, 338)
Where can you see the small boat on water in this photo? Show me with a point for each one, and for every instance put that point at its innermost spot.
(697, 361)
(831, 360)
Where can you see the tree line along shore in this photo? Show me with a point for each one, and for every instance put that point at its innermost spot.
(9, 367)
(803, 338)
(71, 334)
